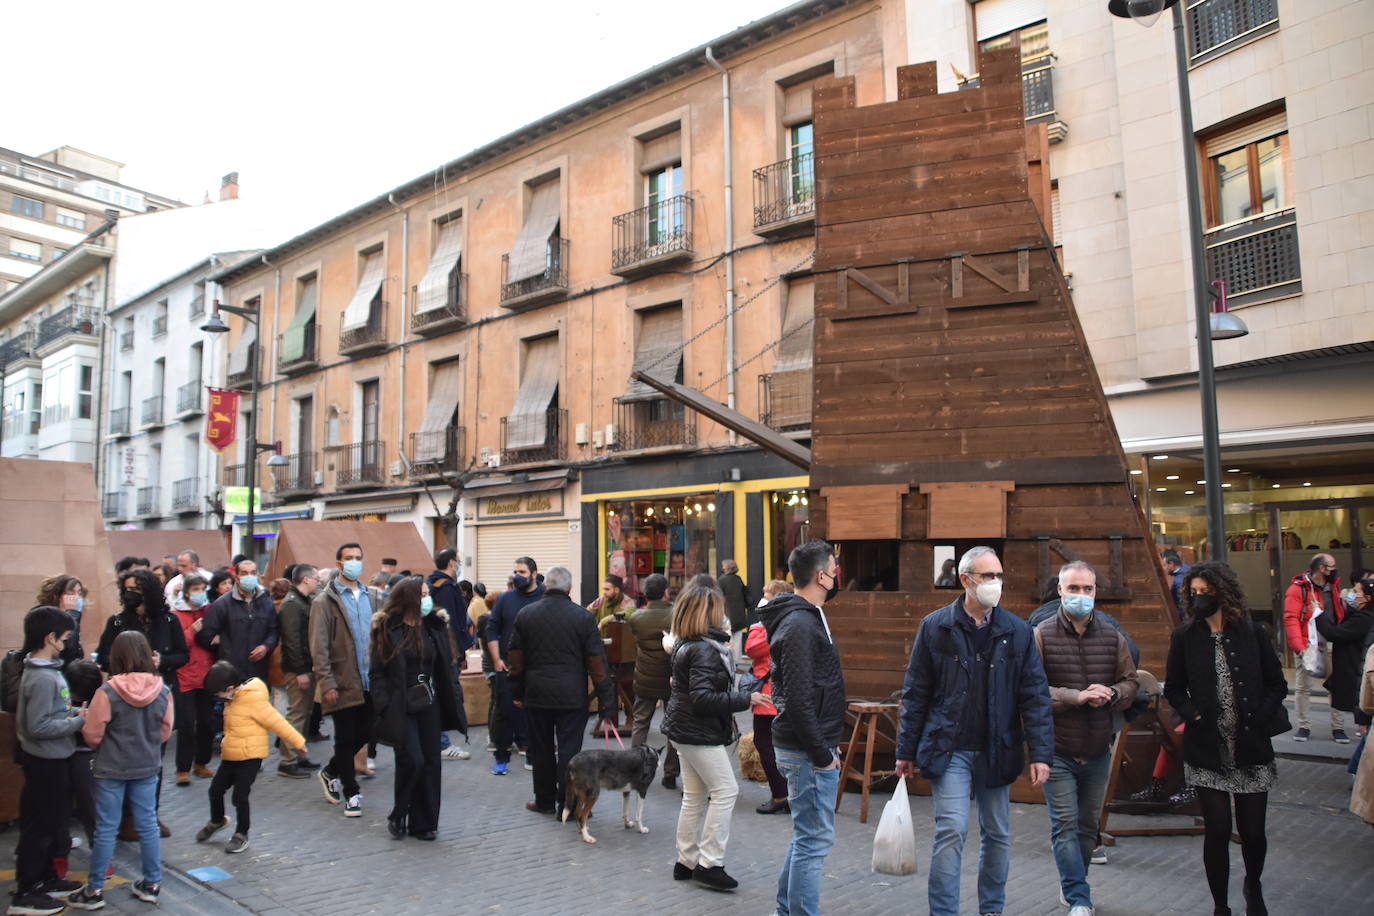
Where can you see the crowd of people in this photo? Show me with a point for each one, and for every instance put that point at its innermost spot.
(986, 694)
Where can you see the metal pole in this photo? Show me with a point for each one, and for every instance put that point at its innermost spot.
(253, 431)
(1206, 372)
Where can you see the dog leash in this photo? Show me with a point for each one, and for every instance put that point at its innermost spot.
(614, 731)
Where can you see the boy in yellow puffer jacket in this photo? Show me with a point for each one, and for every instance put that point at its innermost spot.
(248, 717)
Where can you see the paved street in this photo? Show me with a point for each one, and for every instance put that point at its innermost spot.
(494, 856)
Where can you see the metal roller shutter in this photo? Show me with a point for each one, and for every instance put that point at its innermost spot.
(549, 543)
(997, 17)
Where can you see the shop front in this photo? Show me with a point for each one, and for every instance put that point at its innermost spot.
(507, 518)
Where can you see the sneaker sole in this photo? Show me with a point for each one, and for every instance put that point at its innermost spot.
(143, 895)
(328, 793)
(234, 852)
(1296, 738)
(86, 906)
(353, 813)
(57, 907)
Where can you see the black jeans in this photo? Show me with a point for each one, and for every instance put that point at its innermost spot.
(352, 730)
(195, 732)
(44, 804)
(238, 774)
(83, 791)
(763, 743)
(1216, 842)
(510, 724)
(418, 772)
(555, 737)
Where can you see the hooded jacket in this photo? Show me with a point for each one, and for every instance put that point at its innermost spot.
(703, 704)
(652, 666)
(44, 720)
(191, 676)
(1297, 607)
(390, 678)
(242, 625)
(164, 635)
(756, 647)
(248, 716)
(129, 719)
(808, 685)
(447, 596)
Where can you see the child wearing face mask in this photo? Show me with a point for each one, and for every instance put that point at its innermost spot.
(194, 705)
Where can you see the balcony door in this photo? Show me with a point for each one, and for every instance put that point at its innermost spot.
(662, 195)
(371, 457)
(305, 443)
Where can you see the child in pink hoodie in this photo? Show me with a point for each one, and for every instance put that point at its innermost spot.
(129, 719)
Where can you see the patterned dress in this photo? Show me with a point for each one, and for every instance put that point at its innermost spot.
(1230, 778)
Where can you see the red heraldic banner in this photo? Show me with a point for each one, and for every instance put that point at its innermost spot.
(221, 420)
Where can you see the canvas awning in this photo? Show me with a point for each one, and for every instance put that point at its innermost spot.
(798, 326)
(527, 425)
(293, 341)
(432, 293)
(659, 353)
(529, 257)
(241, 357)
(443, 401)
(375, 506)
(359, 309)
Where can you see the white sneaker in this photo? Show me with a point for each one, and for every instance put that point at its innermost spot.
(1081, 911)
(372, 763)
(1099, 856)
(454, 752)
(354, 808)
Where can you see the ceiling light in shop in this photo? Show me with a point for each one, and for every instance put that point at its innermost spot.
(1159, 457)
(711, 507)
(1172, 477)
(1161, 489)
(1137, 471)
(611, 513)
(1233, 470)
(1308, 484)
(696, 507)
(1226, 485)
(1273, 486)
(1189, 492)
(649, 511)
(1202, 481)
(807, 502)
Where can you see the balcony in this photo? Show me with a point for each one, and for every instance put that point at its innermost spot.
(551, 284)
(152, 411)
(160, 326)
(186, 496)
(785, 197)
(309, 358)
(298, 477)
(369, 338)
(244, 379)
(360, 465)
(235, 475)
(1217, 26)
(120, 421)
(126, 341)
(552, 449)
(74, 319)
(785, 400)
(653, 424)
(112, 505)
(434, 454)
(1037, 90)
(1257, 257)
(188, 400)
(645, 239)
(450, 316)
(17, 348)
(149, 501)
(197, 307)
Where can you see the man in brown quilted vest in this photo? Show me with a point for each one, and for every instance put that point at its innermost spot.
(1088, 664)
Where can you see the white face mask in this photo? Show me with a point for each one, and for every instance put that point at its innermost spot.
(989, 593)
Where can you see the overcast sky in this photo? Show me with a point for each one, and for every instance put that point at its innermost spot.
(321, 105)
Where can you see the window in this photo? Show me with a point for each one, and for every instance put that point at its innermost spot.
(367, 296)
(440, 286)
(85, 391)
(57, 253)
(298, 342)
(305, 425)
(73, 219)
(1250, 180)
(25, 206)
(663, 197)
(1032, 42)
(527, 427)
(533, 254)
(23, 248)
(372, 399)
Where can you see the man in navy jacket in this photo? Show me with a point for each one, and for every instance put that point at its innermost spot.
(975, 692)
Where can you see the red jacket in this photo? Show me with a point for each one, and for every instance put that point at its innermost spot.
(191, 676)
(756, 647)
(1297, 608)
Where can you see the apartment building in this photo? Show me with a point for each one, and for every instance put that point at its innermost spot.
(472, 333)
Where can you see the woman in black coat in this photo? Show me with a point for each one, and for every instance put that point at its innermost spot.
(411, 678)
(1347, 640)
(142, 607)
(1225, 682)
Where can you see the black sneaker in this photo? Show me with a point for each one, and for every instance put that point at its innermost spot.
(87, 899)
(670, 782)
(60, 888)
(36, 904)
(292, 771)
(1339, 736)
(681, 872)
(210, 829)
(237, 843)
(145, 891)
(333, 788)
(305, 763)
(714, 877)
(316, 737)
(1302, 734)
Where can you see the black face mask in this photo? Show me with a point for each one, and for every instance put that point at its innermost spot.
(1204, 606)
(130, 600)
(834, 588)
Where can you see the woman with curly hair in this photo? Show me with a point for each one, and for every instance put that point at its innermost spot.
(1225, 681)
(67, 593)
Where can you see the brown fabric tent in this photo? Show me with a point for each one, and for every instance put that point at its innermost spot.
(301, 541)
(211, 545)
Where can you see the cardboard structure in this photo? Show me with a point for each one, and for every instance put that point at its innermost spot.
(211, 545)
(302, 541)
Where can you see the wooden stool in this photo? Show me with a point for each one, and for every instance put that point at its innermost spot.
(866, 714)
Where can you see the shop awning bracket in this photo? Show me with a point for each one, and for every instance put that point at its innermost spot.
(752, 430)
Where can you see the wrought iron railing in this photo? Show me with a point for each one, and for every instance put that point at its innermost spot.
(657, 423)
(159, 325)
(452, 313)
(126, 341)
(309, 357)
(235, 475)
(360, 464)
(785, 191)
(120, 421)
(370, 336)
(74, 319)
(152, 411)
(440, 451)
(556, 421)
(785, 400)
(1213, 24)
(186, 494)
(18, 347)
(1257, 257)
(188, 398)
(1037, 87)
(149, 501)
(112, 505)
(244, 377)
(659, 232)
(553, 281)
(299, 474)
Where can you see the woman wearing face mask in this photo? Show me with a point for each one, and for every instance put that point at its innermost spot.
(1225, 682)
(194, 705)
(413, 697)
(1347, 638)
(67, 593)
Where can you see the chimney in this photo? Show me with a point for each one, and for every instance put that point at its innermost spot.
(229, 187)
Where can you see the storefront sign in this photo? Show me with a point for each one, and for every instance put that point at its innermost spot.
(522, 505)
(236, 499)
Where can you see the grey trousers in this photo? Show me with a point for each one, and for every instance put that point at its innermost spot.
(644, 715)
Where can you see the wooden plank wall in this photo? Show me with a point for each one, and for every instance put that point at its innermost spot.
(948, 350)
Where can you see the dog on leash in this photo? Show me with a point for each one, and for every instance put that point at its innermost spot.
(630, 770)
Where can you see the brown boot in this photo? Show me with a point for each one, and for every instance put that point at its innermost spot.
(202, 771)
(163, 830)
(183, 778)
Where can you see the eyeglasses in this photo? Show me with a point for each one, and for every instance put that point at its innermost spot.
(986, 576)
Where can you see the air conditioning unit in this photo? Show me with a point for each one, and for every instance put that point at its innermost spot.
(611, 432)
(580, 434)
(485, 455)
(319, 478)
(494, 461)
(396, 469)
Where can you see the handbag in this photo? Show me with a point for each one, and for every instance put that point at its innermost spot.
(750, 682)
(420, 695)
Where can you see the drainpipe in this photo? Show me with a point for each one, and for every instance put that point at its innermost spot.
(405, 320)
(98, 445)
(262, 348)
(729, 236)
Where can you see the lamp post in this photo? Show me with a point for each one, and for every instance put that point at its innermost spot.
(215, 325)
(1220, 325)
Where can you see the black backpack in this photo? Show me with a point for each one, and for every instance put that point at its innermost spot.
(11, 672)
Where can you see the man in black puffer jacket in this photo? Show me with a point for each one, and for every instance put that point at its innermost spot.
(808, 690)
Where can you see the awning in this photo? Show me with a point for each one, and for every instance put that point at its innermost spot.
(798, 326)
(377, 506)
(659, 353)
(443, 401)
(527, 425)
(432, 293)
(662, 151)
(359, 309)
(510, 489)
(529, 257)
(240, 358)
(293, 341)
(271, 516)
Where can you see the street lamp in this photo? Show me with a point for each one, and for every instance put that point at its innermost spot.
(215, 325)
(1220, 325)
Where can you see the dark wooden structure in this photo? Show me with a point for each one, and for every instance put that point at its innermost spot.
(956, 402)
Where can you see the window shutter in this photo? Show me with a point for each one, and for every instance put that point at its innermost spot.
(359, 310)
(997, 17)
(661, 151)
(660, 333)
(529, 257)
(1245, 134)
(527, 425)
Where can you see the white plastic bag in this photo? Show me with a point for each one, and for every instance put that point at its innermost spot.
(894, 847)
(1314, 656)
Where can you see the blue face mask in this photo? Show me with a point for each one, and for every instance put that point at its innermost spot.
(198, 599)
(383, 593)
(426, 606)
(352, 569)
(248, 584)
(1079, 606)
(521, 583)
(80, 604)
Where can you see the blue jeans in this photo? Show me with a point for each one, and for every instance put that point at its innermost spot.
(966, 776)
(1073, 797)
(110, 795)
(811, 795)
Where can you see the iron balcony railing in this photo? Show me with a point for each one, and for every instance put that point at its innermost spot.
(785, 400)
(197, 307)
(112, 505)
(1257, 257)
(438, 452)
(159, 325)
(552, 282)
(126, 341)
(658, 423)
(186, 494)
(1217, 24)
(299, 474)
(244, 377)
(18, 347)
(1037, 88)
(450, 315)
(652, 235)
(309, 357)
(235, 475)
(119, 421)
(152, 411)
(188, 398)
(556, 422)
(785, 192)
(74, 319)
(366, 338)
(149, 501)
(360, 464)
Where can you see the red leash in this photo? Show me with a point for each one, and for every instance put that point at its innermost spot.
(614, 731)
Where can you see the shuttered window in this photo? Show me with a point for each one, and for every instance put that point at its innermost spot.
(359, 311)
(660, 335)
(444, 384)
(997, 17)
(548, 542)
(530, 256)
(527, 425)
(433, 291)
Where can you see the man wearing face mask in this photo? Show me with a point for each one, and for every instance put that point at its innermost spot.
(293, 622)
(245, 620)
(1319, 587)
(1090, 672)
(975, 693)
(509, 725)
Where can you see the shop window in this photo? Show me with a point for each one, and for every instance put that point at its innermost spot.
(789, 525)
(868, 566)
(674, 536)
